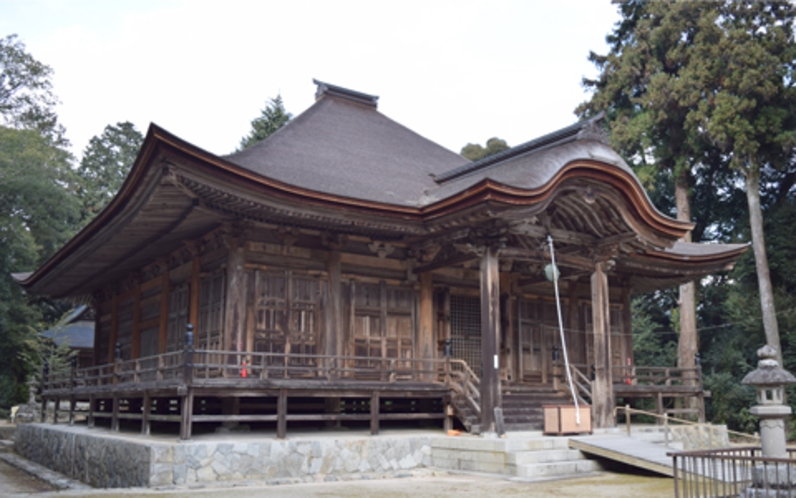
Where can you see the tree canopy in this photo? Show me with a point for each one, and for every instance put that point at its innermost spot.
(26, 96)
(272, 117)
(106, 162)
(474, 152)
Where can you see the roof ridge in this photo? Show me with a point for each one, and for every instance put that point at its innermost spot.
(325, 89)
(587, 129)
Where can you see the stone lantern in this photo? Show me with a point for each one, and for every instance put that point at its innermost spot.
(770, 380)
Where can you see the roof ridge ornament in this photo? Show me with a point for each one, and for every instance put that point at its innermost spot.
(325, 89)
(592, 130)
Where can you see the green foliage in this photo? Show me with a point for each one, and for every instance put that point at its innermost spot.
(54, 350)
(106, 162)
(746, 97)
(26, 97)
(37, 215)
(651, 344)
(474, 152)
(271, 119)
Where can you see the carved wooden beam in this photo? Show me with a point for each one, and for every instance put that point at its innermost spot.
(559, 235)
(562, 260)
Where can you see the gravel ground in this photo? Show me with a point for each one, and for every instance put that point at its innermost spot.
(605, 485)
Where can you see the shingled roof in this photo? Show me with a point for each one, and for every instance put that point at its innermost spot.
(344, 146)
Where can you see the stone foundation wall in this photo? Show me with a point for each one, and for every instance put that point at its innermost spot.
(103, 459)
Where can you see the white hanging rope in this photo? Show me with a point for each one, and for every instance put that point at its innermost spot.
(561, 329)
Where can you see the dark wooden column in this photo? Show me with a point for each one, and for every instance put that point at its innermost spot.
(193, 313)
(163, 325)
(490, 335)
(426, 347)
(235, 296)
(334, 334)
(602, 386)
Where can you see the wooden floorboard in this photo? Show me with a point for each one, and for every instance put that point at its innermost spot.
(620, 448)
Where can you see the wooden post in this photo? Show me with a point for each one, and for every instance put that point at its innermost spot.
(193, 313)
(114, 327)
(186, 410)
(374, 413)
(490, 335)
(163, 326)
(186, 418)
(91, 408)
(136, 344)
(145, 425)
(602, 386)
(73, 384)
(281, 414)
(334, 333)
(235, 296)
(56, 408)
(426, 346)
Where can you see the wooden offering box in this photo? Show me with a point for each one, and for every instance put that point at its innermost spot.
(560, 419)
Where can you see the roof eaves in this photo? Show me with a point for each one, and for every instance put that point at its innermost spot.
(558, 137)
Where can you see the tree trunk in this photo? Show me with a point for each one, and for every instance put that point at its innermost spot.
(688, 343)
(761, 261)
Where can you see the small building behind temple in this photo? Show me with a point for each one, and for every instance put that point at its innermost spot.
(76, 330)
(348, 270)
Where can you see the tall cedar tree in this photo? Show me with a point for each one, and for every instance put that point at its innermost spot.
(646, 87)
(106, 163)
(747, 109)
(273, 117)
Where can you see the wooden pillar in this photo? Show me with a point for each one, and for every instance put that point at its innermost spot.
(426, 348)
(193, 312)
(490, 335)
(602, 386)
(135, 347)
(334, 333)
(145, 412)
(281, 414)
(115, 414)
(627, 325)
(235, 296)
(91, 408)
(374, 413)
(186, 415)
(114, 328)
(164, 313)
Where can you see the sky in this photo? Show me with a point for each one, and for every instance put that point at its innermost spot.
(454, 71)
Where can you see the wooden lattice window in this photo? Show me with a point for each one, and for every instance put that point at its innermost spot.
(286, 314)
(211, 311)
(383, 321)
(466, 330)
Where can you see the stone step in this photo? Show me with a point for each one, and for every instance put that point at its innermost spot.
(548, 456)
(555, 469)
(466, 443)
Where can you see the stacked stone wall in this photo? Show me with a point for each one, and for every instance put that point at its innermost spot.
(106, 460)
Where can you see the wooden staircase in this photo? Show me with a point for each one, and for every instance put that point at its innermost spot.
(522, 407)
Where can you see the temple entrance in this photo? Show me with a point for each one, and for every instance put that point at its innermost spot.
(538, 327)
(466, 330)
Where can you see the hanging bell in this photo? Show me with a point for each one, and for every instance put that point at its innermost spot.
(551, 272)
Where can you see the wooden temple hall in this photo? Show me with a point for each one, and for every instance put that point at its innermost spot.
(348, 271)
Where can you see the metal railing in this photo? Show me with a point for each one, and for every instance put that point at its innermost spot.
(733, 472)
